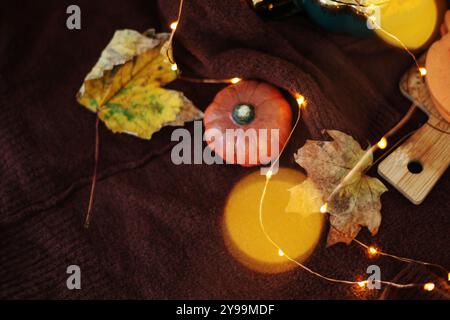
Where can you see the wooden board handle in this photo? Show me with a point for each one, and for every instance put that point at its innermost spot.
(416, 166)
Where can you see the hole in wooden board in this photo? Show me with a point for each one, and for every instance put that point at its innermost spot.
(415, 166)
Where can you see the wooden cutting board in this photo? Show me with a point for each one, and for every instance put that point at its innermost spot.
(416, 166)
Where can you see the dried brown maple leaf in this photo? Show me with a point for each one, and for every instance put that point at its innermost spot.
(352, 205)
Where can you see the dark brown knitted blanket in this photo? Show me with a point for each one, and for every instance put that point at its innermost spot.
(156, 228)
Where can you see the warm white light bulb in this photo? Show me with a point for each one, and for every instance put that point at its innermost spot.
(428, 286)
(423, 71)
(324, 208)
(372, 251)
(280, 252)
(362, 284)
(382, 144)
(301, 101)
(174, 25)
(269, 174)
(174, 67)
(235, 80)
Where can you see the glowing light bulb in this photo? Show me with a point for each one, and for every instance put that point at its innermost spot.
(324, 208)
(382, 144)
(423, 71)
(372, 251)
(429, 286)
(373, 20)
(174, 25)
(280, 252)
(174, 67)
(269, 174)
(235, 80)
(301, 101)
(362, 284)
(448, 276)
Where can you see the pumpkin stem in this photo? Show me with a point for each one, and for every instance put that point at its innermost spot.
(243, 114)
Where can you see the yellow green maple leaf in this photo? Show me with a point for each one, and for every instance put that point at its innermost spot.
(125, 87)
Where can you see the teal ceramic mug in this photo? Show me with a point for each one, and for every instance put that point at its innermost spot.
(343, 19)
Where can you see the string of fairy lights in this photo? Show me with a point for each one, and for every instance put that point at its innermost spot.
(371, 250)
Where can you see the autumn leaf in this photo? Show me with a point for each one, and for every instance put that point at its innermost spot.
(353, 205)
(125, 87)
(303, 197)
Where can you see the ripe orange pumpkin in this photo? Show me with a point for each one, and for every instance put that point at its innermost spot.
(248, 105)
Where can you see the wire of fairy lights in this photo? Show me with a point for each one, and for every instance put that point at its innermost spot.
(168, 53)
(372, 250)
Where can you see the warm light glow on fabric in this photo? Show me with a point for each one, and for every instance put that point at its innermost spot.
(297, 234)
(412, 22)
